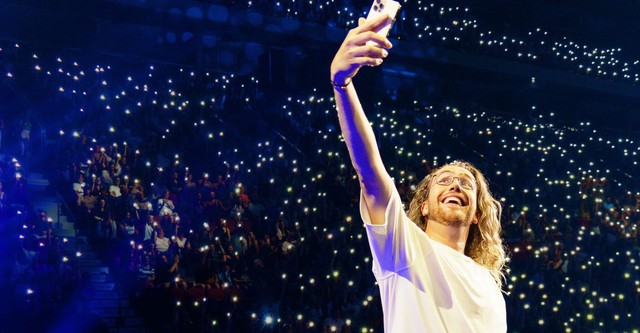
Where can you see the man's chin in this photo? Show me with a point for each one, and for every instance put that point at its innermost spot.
(453, 219)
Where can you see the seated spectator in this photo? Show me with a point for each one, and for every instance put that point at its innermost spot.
(237, 211)
(128, 226)
(114, 189)
(165, 271)
(104, 224)
(182, 243)
(165, 205)
(78, 188)
(162, 243)
(149, 229)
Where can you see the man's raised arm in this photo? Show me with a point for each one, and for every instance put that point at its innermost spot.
(356, 129)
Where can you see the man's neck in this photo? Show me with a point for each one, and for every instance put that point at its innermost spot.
(454, 237)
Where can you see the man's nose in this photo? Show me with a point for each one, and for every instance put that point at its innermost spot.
(455, 185)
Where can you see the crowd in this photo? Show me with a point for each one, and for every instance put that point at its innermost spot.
(455, 26)
(222, 205)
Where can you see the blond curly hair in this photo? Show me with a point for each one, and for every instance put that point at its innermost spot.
(484, 244)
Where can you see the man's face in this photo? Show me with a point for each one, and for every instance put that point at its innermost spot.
(452, 204)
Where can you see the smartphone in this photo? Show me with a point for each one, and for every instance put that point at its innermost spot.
(382, 7)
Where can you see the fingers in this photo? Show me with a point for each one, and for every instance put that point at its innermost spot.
(366, 31)
(358, 52)
(367, 61)
(365, 56)
(362, 47)
(370, 36)
(368, 51)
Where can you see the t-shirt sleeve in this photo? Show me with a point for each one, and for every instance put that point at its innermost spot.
(394, 244)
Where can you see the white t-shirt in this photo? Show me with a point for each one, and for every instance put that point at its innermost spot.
(181, 242)
(115, 191)
(166, 206)
(79, 188)
(162, 244)
(426, 286)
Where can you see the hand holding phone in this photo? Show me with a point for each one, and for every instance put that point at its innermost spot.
(384, 7)
(345, 65)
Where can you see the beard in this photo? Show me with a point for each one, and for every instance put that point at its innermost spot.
(450, 217)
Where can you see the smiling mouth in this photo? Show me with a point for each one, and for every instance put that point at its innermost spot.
(453, 200)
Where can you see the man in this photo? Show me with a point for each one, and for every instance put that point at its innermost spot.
(439, 268)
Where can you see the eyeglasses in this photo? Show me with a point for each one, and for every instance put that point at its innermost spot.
(464, 182)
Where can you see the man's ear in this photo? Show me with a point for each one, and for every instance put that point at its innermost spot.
(423, 209)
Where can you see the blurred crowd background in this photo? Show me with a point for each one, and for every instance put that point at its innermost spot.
(217, 192)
